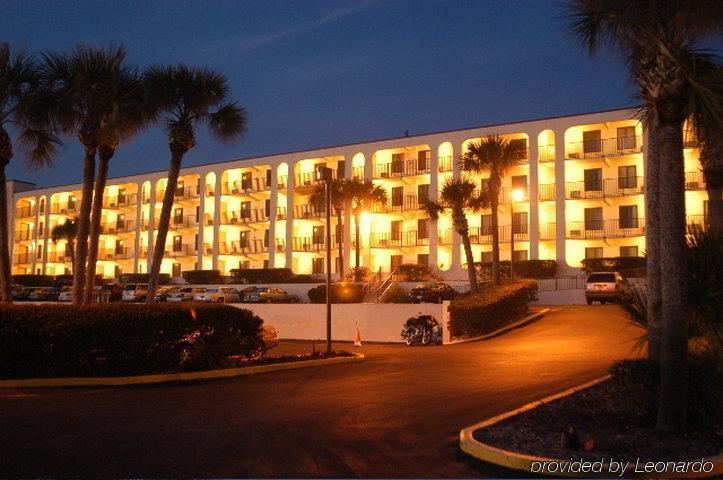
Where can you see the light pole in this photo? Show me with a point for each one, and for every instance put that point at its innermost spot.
(324, 174)
(517, 196)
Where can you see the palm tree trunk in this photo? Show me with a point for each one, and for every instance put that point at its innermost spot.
(95, 219)
(340, 244)
(160, 247)
(674, 351)
(652, 243)
(81, 244)
(5, 277)
(72, 256)
(357, 249)
(494, 204)
(471, 271)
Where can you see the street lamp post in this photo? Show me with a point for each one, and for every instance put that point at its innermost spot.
(517, 196)
(324, 174)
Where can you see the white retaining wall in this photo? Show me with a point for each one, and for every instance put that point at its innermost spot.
(377, 322)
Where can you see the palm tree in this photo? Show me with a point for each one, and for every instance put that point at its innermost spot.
(497, 155)
(18, 77)
(78, 96)
(185, 97)
(458, 196)
(67, 231)
(128, 116)
(659, 40)
(364, 195)
(341, 196)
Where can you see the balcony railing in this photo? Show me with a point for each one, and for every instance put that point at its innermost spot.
(402, 204)
(23, 258)
(238, 247)
(445, 164)
(694, 181)
(280, 213)
(483, 235)
(125, 226)
(183, 250)
(65, 208)
(182, 193)
(402, 168)
(695, 223)
(309, 211)
(505, 194)
(240, 187)
(408, 238)
(357, 172)
(546, 153)
(604, 188)
(242, 217)
(22, 235)
(548, 231)
(611, 228)
(689, 139)
(314, 243)
(25, 212)
(178, 222)
(119, 201)
(59, 257)
(604, 147)
(114, 254)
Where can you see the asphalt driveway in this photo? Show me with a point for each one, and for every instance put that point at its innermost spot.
(396, 415)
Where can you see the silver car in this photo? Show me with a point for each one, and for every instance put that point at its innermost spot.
(184, 294)
(606, 287)
(218, 294)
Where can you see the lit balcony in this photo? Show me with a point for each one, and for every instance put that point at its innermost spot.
(604, 188)
(242, 247)
(181, 250)
(604, 147)
(27, 211)
(404, 203)
(694, 181)
(244, 217)
(243, 187)
(408, 238)
(23, 235)
(546, 153)
(23, 258)
(548, 231)
(611, 228)
(64, 208)
(309, 212)
(315, 243)
(183, 193)
(402, 168)
(183, 222)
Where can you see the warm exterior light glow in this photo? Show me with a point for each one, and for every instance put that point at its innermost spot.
(517, 195)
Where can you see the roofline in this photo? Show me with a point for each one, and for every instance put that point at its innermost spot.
(363, 142)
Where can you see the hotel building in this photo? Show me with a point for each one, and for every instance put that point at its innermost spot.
(580, 195)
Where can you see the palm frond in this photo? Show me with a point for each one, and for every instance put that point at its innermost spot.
(40, 147)
(432, 209)
(228, 123)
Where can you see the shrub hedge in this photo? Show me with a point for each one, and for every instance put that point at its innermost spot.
(491, 308)
(270, 275)
(203, 277)
(115, 339)
(612, 264)
(163, 278)
(346, 292)
(411, 272)
(523, 268)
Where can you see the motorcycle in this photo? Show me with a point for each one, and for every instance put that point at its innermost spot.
(422, 329)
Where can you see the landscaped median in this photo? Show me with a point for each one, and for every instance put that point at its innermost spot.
(606, 428)
(115, 344)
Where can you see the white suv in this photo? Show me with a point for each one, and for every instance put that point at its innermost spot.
(606, 287)
(218, 294)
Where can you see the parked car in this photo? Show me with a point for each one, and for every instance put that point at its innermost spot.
(135, 292)
(606, 287)
(66, 294)
(269, 295)
(44, 294)
(113, 291)
(218, 294)
(183, 294)
(432, 292)
(163, 292)
(22, 294)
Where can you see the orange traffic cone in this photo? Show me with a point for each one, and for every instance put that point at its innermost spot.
(357, 337)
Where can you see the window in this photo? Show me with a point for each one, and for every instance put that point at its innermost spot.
(594, 218)
(486, 257)
(629, 251)
(423, 259)
(626, 138)
(120, 221)
(178, 215)
(246, 180)
(177, 245)
(591, 141)
(627, 177)
(340, 167)
(628, 216)
(71, 202)
(395, 261)
(398, 163)
(519, 182)
(317, 236)
(267, 207)
(519, 256)
(39, 252)
(593, 180)
(519, 223)
(245, 210)
(423, 160)
(317, 265)
(486, 224)
(422, 228)
(42, 205)
(396, 230)
(266, 263)
(397, 196)
(593, 252)
(268, 178)
(319, 172)
(176, 270)
(422, 194)
(266, 237)
(243, 239)
(119, 247)
(244, 264)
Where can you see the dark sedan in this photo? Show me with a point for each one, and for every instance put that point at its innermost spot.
(269, 295)
(44, 294)
(432, 292)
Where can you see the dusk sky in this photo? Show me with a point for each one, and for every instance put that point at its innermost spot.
(318, 73)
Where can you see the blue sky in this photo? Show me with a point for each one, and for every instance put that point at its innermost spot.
(314, 73)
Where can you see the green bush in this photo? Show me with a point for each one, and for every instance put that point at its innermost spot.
(115, 339)
(410, 272)
(395, 294)
(163, 278)
(262, 275)
(614, 264)
(523, 269)
(342, 292)
(203, 277)
(491, 308)
(363, 273)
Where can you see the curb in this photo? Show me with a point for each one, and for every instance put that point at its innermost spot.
(520, 323)
(174, 377)
(523, 462)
